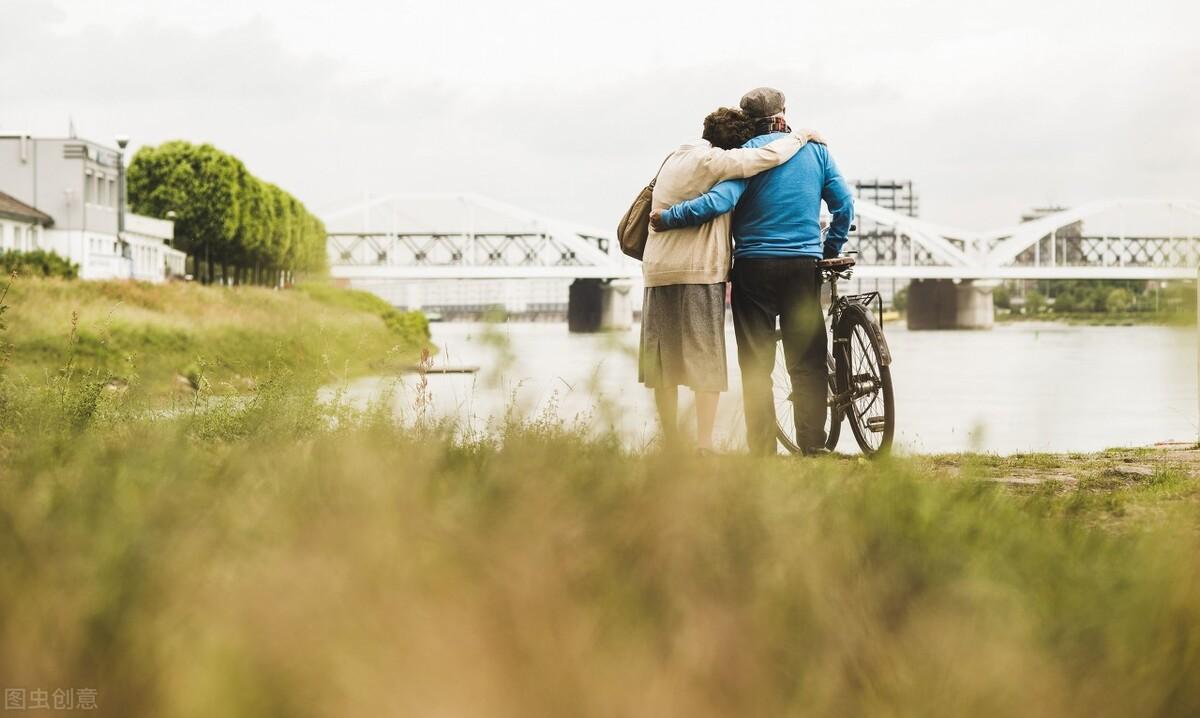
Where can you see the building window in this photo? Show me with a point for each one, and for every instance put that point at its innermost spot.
(112, 192)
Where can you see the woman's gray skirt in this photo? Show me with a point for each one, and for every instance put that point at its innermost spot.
(683, 337)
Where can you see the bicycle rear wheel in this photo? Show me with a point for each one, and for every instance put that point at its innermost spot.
(866, 381)
(785, 420)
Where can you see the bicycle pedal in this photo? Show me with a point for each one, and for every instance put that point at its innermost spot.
(876, 423)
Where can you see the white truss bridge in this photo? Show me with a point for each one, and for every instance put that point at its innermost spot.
(467, 236)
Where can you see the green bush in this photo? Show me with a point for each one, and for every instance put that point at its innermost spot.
(1113, 296)
(1118, 300)
(1066, 303)
(1035, 302)
(1002, 297)
(409, 325)
(38, 263)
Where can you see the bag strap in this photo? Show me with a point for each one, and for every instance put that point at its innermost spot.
(656, 174)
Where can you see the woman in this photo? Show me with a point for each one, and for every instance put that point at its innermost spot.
(685, 269)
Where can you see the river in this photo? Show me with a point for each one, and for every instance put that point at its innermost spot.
(1020, 387)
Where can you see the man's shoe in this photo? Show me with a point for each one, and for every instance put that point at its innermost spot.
(815, 451)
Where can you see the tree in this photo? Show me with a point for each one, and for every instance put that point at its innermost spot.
(224, 215)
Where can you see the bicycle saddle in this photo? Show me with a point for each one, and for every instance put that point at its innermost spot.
(836, 263)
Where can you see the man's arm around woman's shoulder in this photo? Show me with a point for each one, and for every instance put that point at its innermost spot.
(748, 161)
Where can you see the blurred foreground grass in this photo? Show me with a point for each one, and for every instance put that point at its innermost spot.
(286, 557)
(280, 555)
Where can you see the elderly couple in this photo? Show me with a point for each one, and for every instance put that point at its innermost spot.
(751, 164)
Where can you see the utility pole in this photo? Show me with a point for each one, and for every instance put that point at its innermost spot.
(122, 143)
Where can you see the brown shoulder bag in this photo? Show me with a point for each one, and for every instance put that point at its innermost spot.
(634, 228)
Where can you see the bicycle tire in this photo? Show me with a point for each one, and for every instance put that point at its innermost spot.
(781, 386)
(858, 357)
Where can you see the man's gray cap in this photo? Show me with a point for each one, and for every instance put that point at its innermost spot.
(762, 102)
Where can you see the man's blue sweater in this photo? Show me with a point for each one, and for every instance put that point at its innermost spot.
(778, 211)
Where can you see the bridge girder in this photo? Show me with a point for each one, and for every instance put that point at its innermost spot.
(1015, 240)
(551, 248)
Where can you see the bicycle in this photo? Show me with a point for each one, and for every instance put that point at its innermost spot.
(860, 377)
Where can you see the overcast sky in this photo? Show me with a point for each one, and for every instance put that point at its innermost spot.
(567, 108)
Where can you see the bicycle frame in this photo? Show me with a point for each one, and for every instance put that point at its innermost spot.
(838, 304)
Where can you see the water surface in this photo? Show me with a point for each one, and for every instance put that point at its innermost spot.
(1019, 387)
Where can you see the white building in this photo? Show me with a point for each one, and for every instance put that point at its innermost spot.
(21, 226)
(74, 183)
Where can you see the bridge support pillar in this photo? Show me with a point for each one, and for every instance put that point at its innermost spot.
(617, 306)
(413, 297)
(947, 304)
(595, 305)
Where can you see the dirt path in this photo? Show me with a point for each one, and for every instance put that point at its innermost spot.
(1107, 469)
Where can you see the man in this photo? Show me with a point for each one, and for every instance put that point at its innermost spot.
(777, 243)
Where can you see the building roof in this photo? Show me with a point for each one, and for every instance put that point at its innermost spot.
(13, 208)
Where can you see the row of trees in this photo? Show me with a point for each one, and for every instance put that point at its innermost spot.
(1100, 296)
(234, 227)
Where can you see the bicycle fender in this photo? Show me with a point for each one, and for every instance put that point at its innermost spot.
(873, 326)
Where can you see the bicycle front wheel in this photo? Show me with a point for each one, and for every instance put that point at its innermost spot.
(785, 419)
(864, 381)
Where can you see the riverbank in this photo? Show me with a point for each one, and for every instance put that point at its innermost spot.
(283, 555)
(1128, 485)
(1103, 319)
(163, 338)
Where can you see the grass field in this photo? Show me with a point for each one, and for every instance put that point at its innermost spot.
(284, 556)
(159, 338)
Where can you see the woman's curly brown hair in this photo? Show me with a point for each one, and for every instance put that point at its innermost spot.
(728, 128)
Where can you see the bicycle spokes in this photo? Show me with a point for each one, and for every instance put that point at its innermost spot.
(867, 384)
